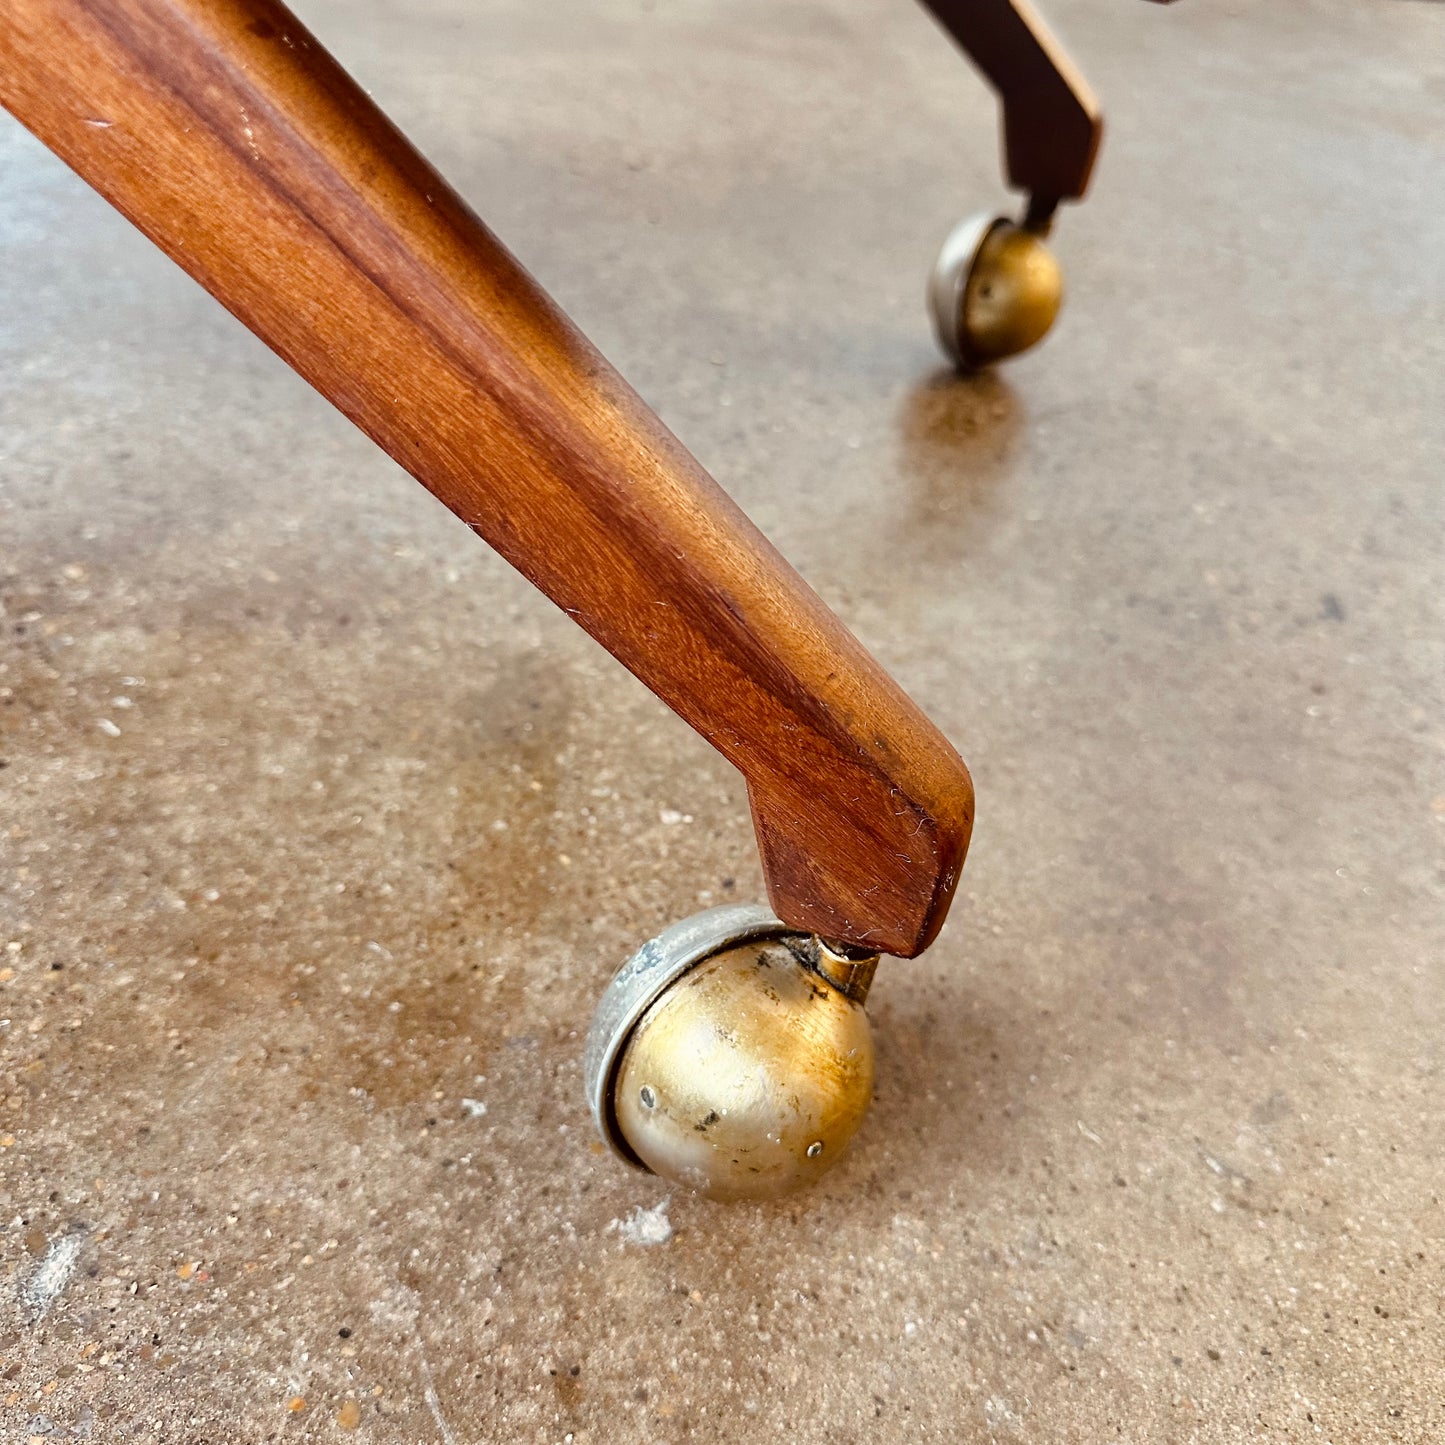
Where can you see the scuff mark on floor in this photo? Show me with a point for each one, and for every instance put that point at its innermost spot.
(46, 1281)
(429, 1393)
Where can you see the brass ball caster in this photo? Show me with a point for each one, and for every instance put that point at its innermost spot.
(994, 292)
(732, 1055)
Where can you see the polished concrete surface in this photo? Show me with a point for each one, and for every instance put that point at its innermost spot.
(320, 831)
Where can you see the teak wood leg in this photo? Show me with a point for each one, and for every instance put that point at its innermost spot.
(1051, 122)
(226, 133)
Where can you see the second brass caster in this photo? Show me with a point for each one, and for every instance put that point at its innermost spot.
(732, 1055)
(995, 291)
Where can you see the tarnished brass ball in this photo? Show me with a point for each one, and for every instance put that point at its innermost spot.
(995, 291)
(748, 1072)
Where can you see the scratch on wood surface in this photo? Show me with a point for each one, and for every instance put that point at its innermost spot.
(250, 134)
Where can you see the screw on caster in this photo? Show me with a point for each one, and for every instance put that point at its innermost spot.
(995, 289)
(731, 1054)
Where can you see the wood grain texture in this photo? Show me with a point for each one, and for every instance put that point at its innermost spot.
(225, 132)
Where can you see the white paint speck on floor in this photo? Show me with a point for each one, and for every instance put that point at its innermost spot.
(52, 1274)
(645, 1226)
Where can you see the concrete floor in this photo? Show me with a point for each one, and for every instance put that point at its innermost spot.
(319, 830)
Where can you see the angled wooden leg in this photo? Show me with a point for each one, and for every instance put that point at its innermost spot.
(230, 137)
(1052, 124)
